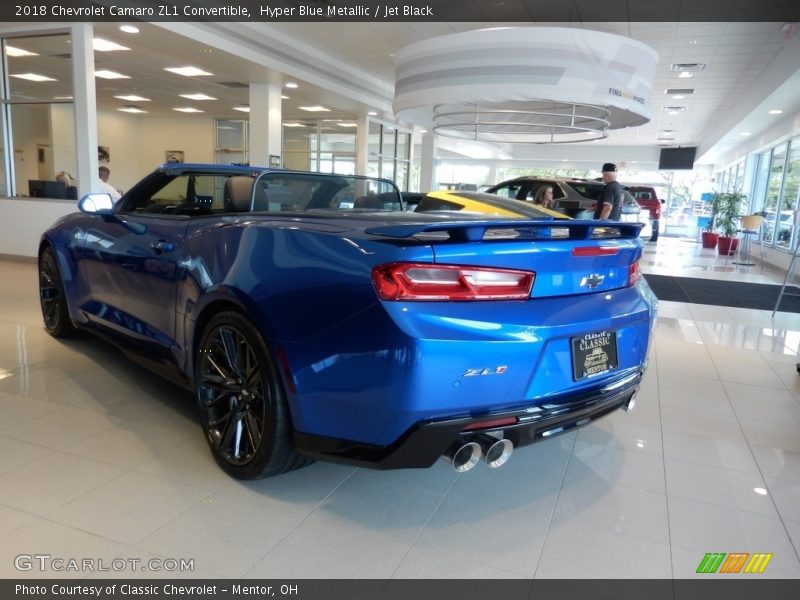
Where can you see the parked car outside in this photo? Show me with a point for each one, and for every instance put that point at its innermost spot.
(573, 197)
(314, 318)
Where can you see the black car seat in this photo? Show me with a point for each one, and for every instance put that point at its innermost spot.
(370, 201)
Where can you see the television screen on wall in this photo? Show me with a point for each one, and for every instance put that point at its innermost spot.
(673, 159)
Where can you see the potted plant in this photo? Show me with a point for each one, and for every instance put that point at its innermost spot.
(709, 236)
(730, 208)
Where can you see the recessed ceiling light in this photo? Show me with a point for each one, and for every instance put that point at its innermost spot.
(101, 45)
(347, 124)
(15, 52)
(687, 67)
(33, 77)
(316, 108)
(293, 125)
(188, 109)
(693, 42)
(242, 108)
(776, 111)
(423, 131)
(187, 71)
(129, 28)
(62, 98)
(372, 113)
(291, 85)
(685, 75)
(745, 133)
(674, 110)
(678, 97)
(197, 96)
(284, 97)
(760, 491)
(133, 98)
(131, 109)
(668, 131)
(106, 74)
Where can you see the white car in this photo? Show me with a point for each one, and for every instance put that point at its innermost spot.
(643, 216)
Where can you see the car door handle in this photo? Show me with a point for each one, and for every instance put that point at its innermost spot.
(162, 246)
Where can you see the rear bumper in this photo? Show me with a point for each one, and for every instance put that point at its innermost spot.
(426, 441)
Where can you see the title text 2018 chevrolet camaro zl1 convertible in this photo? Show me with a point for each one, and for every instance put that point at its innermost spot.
(314, 318)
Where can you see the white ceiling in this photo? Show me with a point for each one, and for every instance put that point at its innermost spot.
(349, 67)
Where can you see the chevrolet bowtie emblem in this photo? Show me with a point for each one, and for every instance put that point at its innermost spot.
(592, 281)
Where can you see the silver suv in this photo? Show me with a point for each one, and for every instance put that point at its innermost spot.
(574, 197)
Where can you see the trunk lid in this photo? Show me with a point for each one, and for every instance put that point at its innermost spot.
(568, 257)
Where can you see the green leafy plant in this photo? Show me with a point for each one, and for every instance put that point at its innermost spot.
(713, 207)
(731, 205)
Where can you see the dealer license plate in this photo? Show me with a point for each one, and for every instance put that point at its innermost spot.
(594, 353)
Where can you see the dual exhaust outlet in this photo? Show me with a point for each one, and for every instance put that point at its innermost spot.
(465, 455)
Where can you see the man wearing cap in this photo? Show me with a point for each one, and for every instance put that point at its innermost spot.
(609, 206)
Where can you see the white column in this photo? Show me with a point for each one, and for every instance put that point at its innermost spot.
(492, 177)
(427, 162)
(265, 123)
(362, 145)
(85, 103)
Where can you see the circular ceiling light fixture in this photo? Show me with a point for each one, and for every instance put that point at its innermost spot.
(525, 85)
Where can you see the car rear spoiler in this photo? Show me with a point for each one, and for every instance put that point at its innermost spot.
(474, 231)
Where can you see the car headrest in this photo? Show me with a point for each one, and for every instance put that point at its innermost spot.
(370, 201)
(237, 194)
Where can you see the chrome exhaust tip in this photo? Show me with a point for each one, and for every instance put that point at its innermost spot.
(632, 400)
(496, 452)
(463, 456)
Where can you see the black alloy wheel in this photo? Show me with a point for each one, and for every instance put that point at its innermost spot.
(52, 297)
(242, 405)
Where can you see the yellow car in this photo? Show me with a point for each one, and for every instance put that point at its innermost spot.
(482, 203)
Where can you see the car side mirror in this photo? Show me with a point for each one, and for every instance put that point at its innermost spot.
(96, 204)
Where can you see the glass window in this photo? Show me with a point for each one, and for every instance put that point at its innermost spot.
(760, 183)
(774, 182)
(188, 194)
(388, 145)
(38, 100)
(737, 179)
(788, 200)
(303, 192)
(231, 141)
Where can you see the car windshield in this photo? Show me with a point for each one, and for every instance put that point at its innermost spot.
(282, 191)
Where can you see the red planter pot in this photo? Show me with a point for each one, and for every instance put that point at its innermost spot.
(710, 239)
(727, 246)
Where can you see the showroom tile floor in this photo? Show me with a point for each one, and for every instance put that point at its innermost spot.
(101, 460)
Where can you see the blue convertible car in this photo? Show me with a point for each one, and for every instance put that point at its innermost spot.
(314, 318)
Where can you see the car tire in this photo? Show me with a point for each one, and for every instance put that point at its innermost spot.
(242, 404)
(654, 235)
(52, 298)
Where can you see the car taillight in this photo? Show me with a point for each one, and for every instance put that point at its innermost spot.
(594, 251)
(634, 274)
(421, 281)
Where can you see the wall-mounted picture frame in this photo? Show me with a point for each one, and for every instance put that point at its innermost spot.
(173, 156)
(103, 154)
